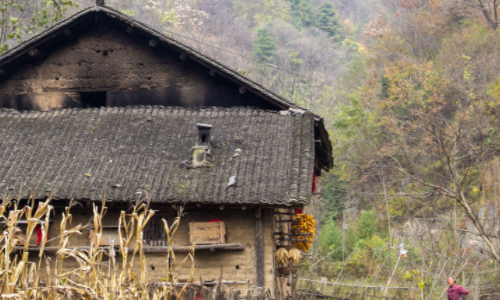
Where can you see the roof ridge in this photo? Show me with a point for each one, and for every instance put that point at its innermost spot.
(164, 107)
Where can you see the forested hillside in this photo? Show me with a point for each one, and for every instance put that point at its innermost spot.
(410, 91)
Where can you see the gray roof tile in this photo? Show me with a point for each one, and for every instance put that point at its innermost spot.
(125, 149)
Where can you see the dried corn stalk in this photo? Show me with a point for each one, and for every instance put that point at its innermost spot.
(95, 277)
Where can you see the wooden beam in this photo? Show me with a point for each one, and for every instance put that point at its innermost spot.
(259, 247)
(68, 35)
(48, 90)
(153, 43)
(35, 53)
(293, 234)
(3, 75)
(160, 249)
(130, 31)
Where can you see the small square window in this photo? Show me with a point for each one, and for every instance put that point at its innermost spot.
(93, 99)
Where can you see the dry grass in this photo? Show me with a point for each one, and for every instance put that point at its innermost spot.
(98, 275)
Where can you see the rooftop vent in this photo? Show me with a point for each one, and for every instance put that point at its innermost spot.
(202, 152)
(204, 134)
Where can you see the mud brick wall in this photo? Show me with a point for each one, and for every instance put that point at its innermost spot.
(235, 265)
(123, 66)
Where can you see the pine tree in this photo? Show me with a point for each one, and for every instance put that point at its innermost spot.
(303, 12)
(328, 20)
(264, 48)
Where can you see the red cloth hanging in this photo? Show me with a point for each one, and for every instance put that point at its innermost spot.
(39, 234)
(298, 210)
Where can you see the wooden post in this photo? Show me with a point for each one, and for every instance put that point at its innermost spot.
(259, 247)
(323, 285)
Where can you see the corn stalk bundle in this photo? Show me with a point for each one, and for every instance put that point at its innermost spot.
(97, 275)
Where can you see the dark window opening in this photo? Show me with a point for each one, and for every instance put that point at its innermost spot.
(93, 99)
(203, 134)
(154, 234)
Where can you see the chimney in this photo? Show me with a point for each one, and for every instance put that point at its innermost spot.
(202, 152)
(100, 2)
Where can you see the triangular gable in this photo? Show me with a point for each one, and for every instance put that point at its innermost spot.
(14, 56)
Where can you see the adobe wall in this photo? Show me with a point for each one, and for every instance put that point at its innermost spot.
(235, 265)
(126, 67)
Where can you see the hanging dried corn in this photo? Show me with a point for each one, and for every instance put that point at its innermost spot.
(304, 224)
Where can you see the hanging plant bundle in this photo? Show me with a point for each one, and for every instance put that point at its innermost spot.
(281, 256)
(304, 224)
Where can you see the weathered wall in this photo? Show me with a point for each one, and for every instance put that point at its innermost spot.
(235, 265)
(129, 70)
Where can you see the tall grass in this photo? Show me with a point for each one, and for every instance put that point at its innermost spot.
(98, 275)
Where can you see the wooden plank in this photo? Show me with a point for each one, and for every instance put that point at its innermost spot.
(207, 233)
(259, 247)
(229, 247)
(48, 90)
(293, 234)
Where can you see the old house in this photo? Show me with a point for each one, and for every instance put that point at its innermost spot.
(102, 101)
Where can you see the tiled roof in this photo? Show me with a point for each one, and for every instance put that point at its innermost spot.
(79, 152)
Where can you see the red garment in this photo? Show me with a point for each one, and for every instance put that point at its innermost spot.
(39, 234)
(314, 182)
(456, 292)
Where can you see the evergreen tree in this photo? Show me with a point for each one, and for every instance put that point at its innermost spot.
(328, 20)
(303, 12)
(264, 48)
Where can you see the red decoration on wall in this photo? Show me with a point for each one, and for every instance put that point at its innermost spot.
(39, 234)
(298, 210)
(314, 182)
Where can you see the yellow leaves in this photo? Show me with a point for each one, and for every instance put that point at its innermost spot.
(418, 79)
(475, 190)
